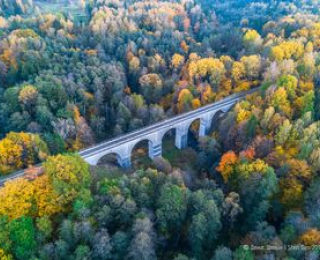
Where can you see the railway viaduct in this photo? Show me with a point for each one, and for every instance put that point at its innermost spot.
(123, 145)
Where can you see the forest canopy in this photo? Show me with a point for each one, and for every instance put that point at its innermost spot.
(75, 73)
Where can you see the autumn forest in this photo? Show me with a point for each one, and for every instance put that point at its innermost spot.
(74, 73)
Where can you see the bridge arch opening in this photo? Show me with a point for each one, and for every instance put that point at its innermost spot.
(168, 141)
(194, 133)
(218, 116)
(170, 151)
(110, 159)
(140, 154)
(180, 158)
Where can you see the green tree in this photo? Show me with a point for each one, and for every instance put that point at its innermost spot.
(205, 223)
(101, 245)
(120, 242)
(243, 253)
(5, 242)
(283, 133)
(316, 104)
(44, 228)
(55, 143)
(151, 86)
(171, 208)
(82, 252)
(222, 253)
(28, 97)
(22, 235)
(290, 83)
(142, 246)
(308, 102)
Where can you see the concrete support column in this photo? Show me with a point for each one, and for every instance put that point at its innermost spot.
(205, 123)
(125, 162)
(181, 141)
(205, 126)
(155, 149)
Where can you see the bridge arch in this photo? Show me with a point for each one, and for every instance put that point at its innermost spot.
(212, 126)
(150, 146)
(111, 158)
(95, 159)
(168, 130)
(193, 121)
(167, 138)
(193, 133)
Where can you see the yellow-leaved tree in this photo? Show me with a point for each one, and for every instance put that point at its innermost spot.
(69, 175)
(48, 201)
(311, 237)
(17, 199)
(21, 197)
(20, 150)
(4, 256)
(208, 69)
(185, 99)
(177, 60)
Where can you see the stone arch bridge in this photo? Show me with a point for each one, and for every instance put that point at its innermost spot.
(123, 145)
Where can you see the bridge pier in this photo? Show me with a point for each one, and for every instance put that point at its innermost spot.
(181, 140)
(205, 123)
(205, 126)
(155, 150)
(125, 162)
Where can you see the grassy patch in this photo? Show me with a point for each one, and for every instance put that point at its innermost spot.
(178, 158)
(101, 172)
(140, 159)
